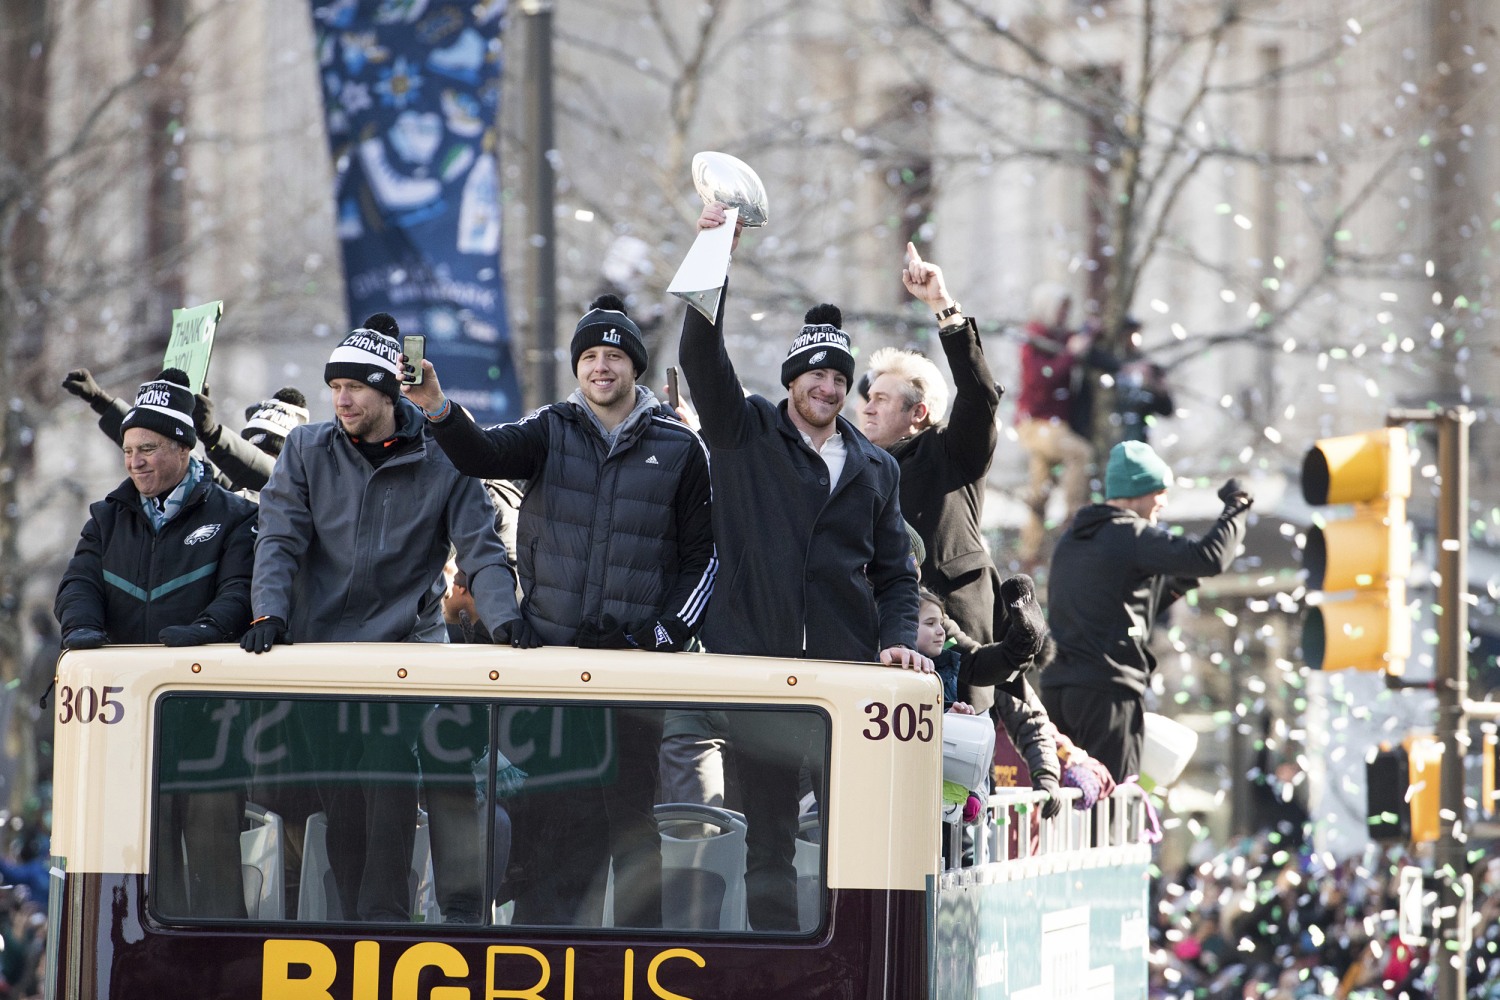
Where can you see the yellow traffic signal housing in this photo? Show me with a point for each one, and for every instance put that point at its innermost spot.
(1424, 759)
(1367, 554)
(1487, 796)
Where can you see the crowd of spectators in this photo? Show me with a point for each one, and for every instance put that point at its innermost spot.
(24, 878)
(1268, 917)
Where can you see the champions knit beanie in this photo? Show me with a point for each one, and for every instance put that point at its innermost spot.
(275, 417)
(605, 324)
(367, 356)
(165, 405)
(821, 344)
(1134, 470)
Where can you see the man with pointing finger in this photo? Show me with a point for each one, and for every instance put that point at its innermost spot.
(944, 449)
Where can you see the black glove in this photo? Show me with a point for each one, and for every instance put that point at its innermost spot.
(665, 635)
(606, 633)
(84, 637)
(1053, 805)
(264, 633)
(204, 419)
(81, 384)
(518, 633)
(1236, 498)
(196, 634)
(1026, 629)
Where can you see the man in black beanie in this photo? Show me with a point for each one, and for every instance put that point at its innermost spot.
(117, 588)
(241, 462)
(356, 525)
(616, 550)
(166, 557)
(816, 560)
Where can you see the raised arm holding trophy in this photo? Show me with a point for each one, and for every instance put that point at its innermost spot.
(797, 485)
(723, 180)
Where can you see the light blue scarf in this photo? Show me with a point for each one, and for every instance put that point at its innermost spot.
(160, 514)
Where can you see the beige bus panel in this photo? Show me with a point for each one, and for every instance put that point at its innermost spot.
(883, 828)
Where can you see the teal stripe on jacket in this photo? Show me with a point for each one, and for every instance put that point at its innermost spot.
(166, 588)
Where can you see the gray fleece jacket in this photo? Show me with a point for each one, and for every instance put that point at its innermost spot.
(352, 553)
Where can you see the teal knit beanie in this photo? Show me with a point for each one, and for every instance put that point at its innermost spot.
(1134, 470)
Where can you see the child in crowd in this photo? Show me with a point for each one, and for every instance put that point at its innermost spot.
(1003, 664)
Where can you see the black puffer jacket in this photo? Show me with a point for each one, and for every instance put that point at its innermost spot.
(1113, 572)
(624, 531)
(806, 572)
(131, 582)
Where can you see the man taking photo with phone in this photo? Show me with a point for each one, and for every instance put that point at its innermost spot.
(356, 524)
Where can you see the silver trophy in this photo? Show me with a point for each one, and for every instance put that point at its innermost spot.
(721, 178)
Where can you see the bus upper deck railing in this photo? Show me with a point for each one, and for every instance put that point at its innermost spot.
(1011, 829)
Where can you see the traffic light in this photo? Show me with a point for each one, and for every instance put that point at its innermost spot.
(1367, 554)
(1424, 759)
(1490, 748)
(1402, 790)
(1387, 777)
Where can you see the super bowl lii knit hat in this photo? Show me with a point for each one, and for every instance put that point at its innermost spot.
(367, 356)
(1134, 470)
(275, 417)
(605, 324)
(165, 405)
(821, 344)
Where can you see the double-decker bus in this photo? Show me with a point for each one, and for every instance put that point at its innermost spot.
(224, 825)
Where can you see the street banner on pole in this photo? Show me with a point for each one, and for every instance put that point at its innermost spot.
(411, 92)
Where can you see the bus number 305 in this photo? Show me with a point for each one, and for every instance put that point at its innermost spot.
(905, 722)
(85, 704)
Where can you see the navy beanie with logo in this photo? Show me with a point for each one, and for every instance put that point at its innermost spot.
(367, 356)
(605, 324)
(165, 405)
(821, 344)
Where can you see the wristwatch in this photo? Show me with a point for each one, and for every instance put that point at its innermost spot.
(953, 310)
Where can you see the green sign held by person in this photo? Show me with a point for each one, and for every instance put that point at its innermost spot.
(192, 341)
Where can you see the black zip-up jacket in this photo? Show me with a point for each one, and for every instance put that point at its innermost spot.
(803, 572)
(1113, 572)
(132, 582)
(942, 487)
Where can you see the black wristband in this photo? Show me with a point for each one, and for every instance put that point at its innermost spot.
(953, 310)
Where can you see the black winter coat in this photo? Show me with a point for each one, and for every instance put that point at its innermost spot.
(1113, 572)
(625, 531)
(942, 488)
(131, 582)
(804, 572)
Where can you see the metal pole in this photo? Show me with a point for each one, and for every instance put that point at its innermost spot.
(542, 258)
(1452, 688)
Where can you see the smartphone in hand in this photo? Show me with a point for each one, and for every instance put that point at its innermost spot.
(674, 395)
(415, 349)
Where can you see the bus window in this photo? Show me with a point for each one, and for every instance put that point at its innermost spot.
(485, 813)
